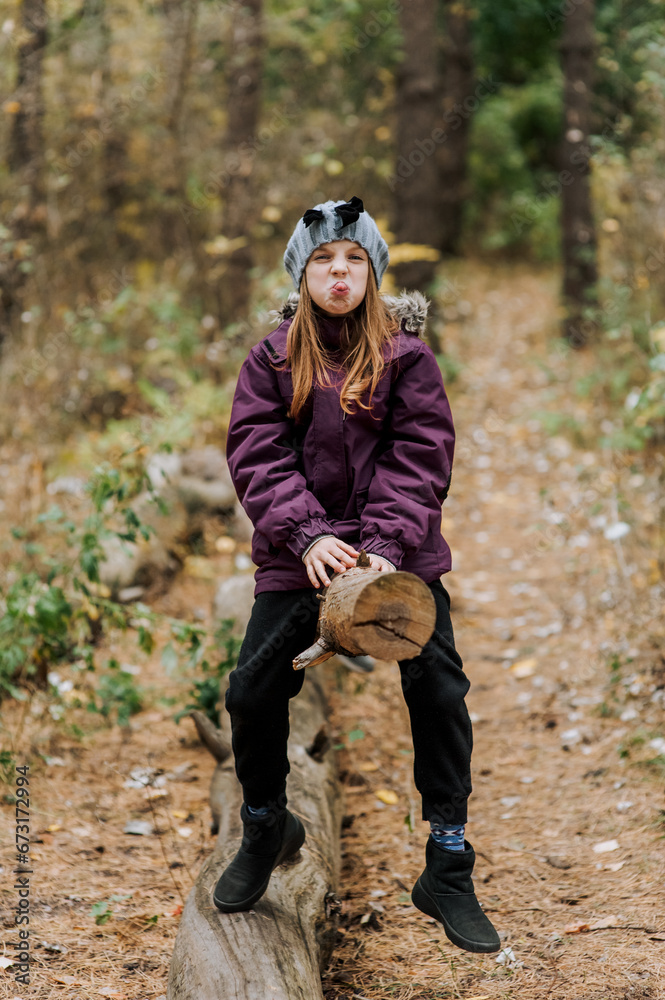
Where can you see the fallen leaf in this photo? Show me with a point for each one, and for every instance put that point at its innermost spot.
(177, 911)
(67, 980)
(601, 925)
(54, 947)
(225, 544)
(199, 567)
(563, 864)
(5, 962)
(139, 827)
(155, 793)
(388, 796)
(180, 813)
(524, 668)
(54, 827)
(605, 846)
(185, 831)
(616, 867)
(584, 926)
(368, 765)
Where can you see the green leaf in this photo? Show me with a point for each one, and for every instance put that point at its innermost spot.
(169, 658)
(146, 640)
(54, 513)
(100, 908)
(356, 734)
(90, 566)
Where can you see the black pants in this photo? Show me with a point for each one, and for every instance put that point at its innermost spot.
(283, 624)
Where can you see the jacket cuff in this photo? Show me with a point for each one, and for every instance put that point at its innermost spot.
(314, 543)
(386, 548)
(307, 532)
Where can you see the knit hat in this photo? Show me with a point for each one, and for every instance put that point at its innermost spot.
(329, 222)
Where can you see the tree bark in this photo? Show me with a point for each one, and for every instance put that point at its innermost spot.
(415, 180)
(245, 65)
(579, 250)
(458, 104)
(389, 616)
(25, 158)
(26, 146)
(180, 20)
(279, 948)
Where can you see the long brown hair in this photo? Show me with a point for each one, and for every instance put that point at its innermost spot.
(363, 335)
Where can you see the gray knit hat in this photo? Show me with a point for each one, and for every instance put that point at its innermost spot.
(329, 222)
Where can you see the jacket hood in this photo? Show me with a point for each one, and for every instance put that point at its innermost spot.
(409, 309)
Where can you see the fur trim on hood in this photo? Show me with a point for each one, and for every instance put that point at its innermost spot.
(408, 308)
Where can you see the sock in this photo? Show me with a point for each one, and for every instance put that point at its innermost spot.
(261, 811)
(449, 837)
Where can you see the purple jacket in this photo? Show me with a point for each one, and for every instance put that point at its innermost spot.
(377, 484)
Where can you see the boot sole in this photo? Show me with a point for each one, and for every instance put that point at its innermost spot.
(424, 902)
(287, 852)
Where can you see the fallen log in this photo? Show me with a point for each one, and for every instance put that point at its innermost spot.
(389, 616)
(277, 950)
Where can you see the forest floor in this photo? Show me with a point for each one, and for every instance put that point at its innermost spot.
(558, 618)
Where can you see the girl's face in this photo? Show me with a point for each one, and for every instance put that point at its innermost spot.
(337, 276)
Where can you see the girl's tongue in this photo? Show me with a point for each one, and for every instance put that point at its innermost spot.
(340, 287)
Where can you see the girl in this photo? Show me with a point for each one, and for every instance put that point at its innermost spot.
(341, 438)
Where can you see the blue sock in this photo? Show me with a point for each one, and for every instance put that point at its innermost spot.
(449, 837)
(261, 811)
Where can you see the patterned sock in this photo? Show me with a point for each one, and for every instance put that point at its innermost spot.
(261, 811)
(451, 838)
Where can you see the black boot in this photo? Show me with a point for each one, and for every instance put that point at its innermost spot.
(445, 891)
(267, 842)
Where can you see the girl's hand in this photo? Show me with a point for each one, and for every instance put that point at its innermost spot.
(377, 562)
(329, 552)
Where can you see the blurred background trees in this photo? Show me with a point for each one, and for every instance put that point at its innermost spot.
(155, 158)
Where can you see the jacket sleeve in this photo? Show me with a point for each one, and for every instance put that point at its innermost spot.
(263, 462)
(412, 474)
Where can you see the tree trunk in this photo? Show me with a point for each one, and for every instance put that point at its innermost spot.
(26, 145)
(458, 105)
(578, 231)
(25, 157)
(415, 180)
(278, 949)
(245, 64)
(180, 20)
(389, 616)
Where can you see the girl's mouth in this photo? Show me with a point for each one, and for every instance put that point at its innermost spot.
(340, 288)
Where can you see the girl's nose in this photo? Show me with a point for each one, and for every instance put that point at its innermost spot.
(339, 265)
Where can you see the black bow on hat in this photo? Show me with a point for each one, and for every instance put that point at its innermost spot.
(348, 213)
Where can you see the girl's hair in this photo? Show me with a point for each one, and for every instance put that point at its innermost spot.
(363, 335)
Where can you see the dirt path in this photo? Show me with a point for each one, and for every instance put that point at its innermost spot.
(561, 632)
(542, 604)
